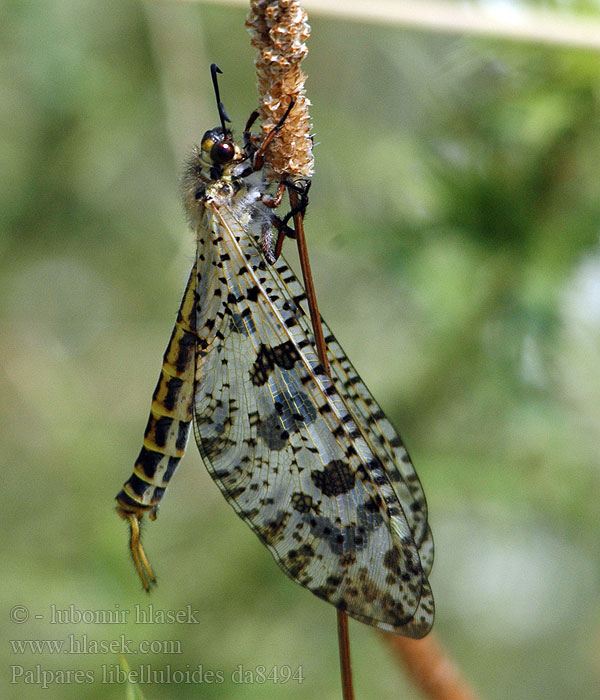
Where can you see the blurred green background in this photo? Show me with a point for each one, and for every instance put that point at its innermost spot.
(453, 228)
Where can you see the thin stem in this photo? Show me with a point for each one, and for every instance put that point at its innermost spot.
(315, 317)
(345, 661)
(309, 286)
(430, 667)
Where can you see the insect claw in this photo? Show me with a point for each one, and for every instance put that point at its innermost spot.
(301, 186)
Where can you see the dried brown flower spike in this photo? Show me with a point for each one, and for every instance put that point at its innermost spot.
(279, 30)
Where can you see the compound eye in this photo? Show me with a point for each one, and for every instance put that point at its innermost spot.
(222, 152)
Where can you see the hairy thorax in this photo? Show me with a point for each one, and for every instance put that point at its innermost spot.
(231, 186)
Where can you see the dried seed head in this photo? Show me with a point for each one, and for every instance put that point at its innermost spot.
(279, 30)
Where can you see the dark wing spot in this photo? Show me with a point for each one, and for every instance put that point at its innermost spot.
(252, 293)
(284, 355)
(392, 559)
(272, 432)
(299, 559)
(274, 529)
(336, 479)
(302, 502)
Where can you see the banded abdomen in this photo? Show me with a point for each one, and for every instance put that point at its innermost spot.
(168, 425)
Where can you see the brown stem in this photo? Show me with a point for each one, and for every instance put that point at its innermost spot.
(315, 317)
(430, 667)
(309, 286)
(345, 661)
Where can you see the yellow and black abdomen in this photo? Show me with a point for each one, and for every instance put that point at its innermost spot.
(168, 425)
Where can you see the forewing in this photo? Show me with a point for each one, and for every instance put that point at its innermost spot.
(381, 436)
(285, 451)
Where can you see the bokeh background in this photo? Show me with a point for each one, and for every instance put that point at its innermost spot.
(454, 229)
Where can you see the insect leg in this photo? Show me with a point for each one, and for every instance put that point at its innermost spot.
(259, 156)
(249, 147)
(302, 191)
(271, 252)
(274, 201)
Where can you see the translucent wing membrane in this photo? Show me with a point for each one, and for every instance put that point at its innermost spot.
(380, 434)
(289, 456)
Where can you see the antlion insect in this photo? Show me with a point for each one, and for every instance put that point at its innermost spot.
(311, 464)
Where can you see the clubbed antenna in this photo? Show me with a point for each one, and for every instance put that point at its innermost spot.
(214, 69)
(279, 30)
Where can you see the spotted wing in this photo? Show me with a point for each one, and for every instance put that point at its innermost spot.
(284, 449)
(382, 437)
